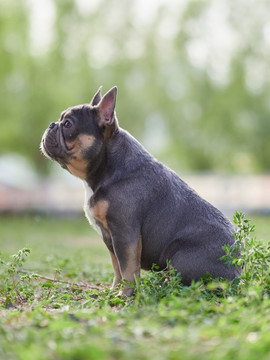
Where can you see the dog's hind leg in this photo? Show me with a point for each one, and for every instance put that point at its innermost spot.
(193, 262)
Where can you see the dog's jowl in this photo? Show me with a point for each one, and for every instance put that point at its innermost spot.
(144, 212)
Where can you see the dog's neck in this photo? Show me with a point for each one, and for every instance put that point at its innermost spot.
(96, 171)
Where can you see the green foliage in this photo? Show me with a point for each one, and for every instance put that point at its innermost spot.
(49, 319)
(250, 257)
(13, 289)
(158, 284)
(208, 115)
(19, 286)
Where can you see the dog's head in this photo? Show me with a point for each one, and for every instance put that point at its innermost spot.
(77, 139)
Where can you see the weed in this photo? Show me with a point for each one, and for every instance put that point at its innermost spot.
(15, 287)
(156, 285)
(19, 286)
(250, 257)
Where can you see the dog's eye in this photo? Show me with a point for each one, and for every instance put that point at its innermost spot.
(67, 124)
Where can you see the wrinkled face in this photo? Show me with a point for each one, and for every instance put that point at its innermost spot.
(76, 140)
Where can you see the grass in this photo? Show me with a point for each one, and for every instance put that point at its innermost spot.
(48, 319)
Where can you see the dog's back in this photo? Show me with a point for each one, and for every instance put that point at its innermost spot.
(175, 223)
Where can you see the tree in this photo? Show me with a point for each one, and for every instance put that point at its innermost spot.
(193, 82)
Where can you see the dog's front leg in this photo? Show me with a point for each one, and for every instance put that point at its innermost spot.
(128, 255)
(117, 274)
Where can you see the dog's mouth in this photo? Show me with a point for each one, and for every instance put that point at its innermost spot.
(51, 145)
(54, 147)
(45, 149)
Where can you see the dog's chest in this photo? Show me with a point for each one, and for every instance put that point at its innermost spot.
(87, 209)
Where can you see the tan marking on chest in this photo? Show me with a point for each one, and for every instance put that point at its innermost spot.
(99, 211)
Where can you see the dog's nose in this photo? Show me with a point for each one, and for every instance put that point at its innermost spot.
(52, 125)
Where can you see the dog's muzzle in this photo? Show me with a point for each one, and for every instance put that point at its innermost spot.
(50, 143)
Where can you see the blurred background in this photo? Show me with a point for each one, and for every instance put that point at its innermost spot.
(193, 81)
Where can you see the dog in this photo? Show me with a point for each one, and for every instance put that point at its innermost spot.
(144, 212)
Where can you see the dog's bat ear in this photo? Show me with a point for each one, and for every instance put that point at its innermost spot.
(97, 97)
(106, 107)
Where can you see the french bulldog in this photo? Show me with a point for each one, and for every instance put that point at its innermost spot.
(144, 212)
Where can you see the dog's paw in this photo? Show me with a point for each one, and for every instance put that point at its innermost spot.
(128, 292)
